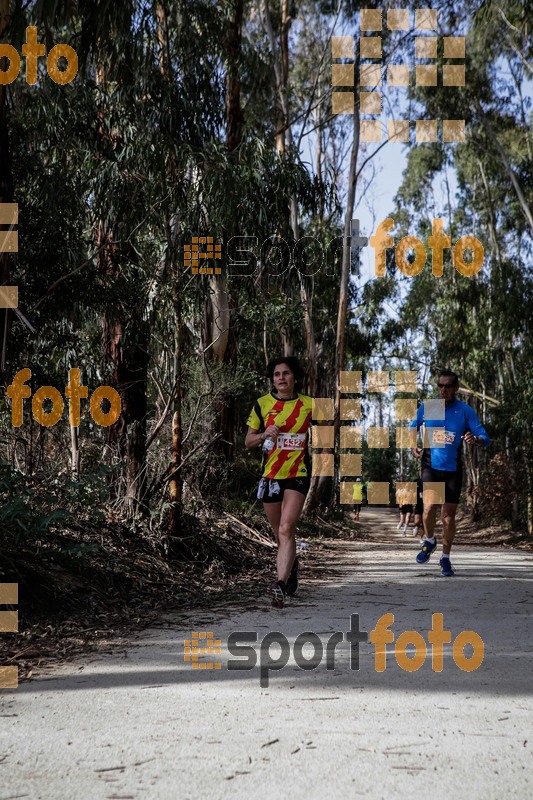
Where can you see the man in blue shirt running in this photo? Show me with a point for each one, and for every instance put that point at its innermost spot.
(446, 423)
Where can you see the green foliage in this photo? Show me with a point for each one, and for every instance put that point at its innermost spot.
(33, 509)
(114, 173)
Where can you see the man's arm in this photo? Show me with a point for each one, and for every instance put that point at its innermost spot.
(477, 433)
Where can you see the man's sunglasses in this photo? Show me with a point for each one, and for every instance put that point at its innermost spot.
(446, 385)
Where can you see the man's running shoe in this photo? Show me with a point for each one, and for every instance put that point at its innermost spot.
(427, 549)
(278, 591)
(292, 580)
(446, 567)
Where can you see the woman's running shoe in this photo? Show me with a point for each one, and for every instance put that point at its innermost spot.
(278, 590)
(292, 580)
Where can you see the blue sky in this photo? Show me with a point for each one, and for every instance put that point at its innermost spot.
(378, 201)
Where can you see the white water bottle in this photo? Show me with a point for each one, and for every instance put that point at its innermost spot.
(268, 444)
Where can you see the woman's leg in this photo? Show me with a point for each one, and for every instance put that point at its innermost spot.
(291, 509)
(273, 514)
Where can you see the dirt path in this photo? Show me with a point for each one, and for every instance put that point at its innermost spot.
(143, 724)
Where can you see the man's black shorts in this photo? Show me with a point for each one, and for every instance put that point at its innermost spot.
(271, 490)
(453, 482)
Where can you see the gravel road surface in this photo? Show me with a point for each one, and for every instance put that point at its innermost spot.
(142, 723)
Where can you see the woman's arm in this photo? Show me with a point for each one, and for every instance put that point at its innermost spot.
(256, 438)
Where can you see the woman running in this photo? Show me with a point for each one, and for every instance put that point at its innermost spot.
(279, 422)
(357, 497)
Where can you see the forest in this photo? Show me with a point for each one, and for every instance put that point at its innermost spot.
(210, 125)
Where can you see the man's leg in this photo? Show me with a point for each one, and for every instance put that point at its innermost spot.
(447, 516)
(429, 517)
(291, 509)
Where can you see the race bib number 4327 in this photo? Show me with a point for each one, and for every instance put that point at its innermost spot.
(291, 441)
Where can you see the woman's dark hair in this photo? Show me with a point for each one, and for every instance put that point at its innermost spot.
(293, 364)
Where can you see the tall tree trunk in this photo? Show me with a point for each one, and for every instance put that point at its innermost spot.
(219, 337)
(346, 259)
(284, 138)
(6, 192)
(163, 54)
(318, 168)
(125, 343)
(281, 72)
(176, 483)
(344, 288)
(233, 84)
(515, 483)
(526, 454)
(218, 346)
(125, 351)
(287, 344)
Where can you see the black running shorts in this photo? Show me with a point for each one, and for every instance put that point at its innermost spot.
(271, 490)
(453, 482)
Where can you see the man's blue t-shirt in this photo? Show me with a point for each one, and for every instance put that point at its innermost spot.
(442, 437)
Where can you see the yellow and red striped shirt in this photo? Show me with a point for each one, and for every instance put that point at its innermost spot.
(289, 457)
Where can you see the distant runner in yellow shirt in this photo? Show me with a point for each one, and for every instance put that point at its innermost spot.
(279, 423)
(357, 498)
